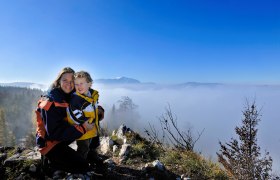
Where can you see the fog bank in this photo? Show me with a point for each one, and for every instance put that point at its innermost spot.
(217, 109)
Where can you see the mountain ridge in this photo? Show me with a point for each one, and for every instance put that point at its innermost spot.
(119, 81)
(131, 83)
(29, 85)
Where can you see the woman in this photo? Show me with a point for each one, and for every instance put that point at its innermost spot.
(54, 133)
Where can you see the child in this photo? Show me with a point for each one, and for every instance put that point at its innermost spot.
(84, 106)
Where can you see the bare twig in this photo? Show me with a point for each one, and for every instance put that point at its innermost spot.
(170, 130)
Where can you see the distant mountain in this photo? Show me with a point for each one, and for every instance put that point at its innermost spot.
(123, 82)
(134, 84)
(119, 80)
(26, 85)
(196, 84)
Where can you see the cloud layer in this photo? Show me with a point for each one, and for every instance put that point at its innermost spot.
(217, 109)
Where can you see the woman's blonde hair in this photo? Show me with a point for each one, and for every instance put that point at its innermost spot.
(56, 83)
(83, 74)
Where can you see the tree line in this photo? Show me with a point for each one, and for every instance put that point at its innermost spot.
(17, 115)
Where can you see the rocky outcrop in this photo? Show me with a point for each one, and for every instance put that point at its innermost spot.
(106, 143)
(20, 163)
(120, 160)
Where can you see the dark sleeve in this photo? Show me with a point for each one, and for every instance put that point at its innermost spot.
(77, 111)
(101, 113)
(58, 128)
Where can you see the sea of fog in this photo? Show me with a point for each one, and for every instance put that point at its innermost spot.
(216, 109)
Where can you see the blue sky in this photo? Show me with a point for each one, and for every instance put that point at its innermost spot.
(227, 41)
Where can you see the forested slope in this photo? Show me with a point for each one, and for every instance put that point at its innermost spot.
(17, 107)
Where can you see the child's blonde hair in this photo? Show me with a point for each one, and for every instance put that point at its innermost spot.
(83, 74)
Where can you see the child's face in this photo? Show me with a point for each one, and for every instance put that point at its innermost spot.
(82, 86)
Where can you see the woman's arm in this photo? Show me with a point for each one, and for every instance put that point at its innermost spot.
(58, 128)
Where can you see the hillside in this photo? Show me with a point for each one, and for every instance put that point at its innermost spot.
(125, 154)
(16, 113)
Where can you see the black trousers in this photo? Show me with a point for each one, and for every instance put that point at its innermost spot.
(83, 147)
(63, 157)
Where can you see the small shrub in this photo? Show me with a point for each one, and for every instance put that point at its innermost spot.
(116, 140)
(11, 152)
(141, 148)
(134, 138)
(241, 156)
(192, 164)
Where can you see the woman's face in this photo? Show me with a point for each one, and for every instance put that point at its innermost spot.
(67, 83)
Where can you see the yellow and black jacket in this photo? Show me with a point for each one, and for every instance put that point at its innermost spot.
(83, 108)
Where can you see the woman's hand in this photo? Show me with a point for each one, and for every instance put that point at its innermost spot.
(88, 126)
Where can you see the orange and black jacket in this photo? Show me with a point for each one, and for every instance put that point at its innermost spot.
(52, 125)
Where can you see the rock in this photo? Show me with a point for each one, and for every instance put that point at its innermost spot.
(124, 150)
(5, 148)
(22, 155)
(32, 168)
(105, 144)
(158, 165)
(111, 164)
(148, 165)
(35, 155)
(185, 177)
(115, 148)
(124, 140)
(3, 156)
(122, 159)
(12, 160)
(114, 133)
(20, 177)
(121, 131)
